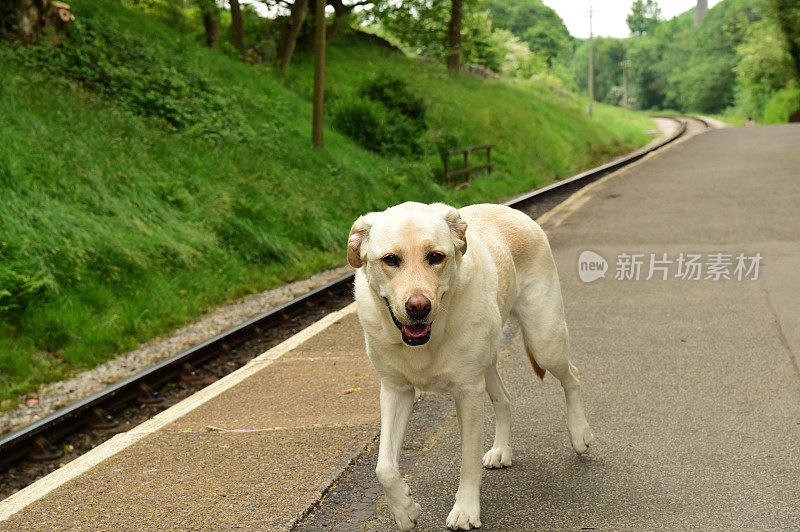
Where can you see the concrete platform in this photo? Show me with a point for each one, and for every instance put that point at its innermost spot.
(692, 388)
(254, 450)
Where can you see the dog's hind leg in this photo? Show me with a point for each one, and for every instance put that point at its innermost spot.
(540, 312)
(500, 454)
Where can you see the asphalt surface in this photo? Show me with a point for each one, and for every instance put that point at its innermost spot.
(692, 386)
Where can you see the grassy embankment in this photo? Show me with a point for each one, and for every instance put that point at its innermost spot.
(146, 179)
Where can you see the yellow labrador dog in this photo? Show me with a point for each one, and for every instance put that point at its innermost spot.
(434, 287)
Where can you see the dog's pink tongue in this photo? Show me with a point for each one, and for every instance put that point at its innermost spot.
(416, 331)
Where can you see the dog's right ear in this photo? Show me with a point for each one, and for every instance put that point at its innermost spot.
(358, 233)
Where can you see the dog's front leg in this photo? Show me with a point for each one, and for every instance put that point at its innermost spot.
(396, 403)
(466, 513)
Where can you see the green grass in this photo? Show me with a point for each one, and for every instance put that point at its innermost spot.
(733, 117)
(118, 224)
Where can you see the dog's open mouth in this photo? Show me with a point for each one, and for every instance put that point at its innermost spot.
(416, 334)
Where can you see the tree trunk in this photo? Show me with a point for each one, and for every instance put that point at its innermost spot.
(237, 27)
(290, 32)
(454, 36)
(319, 73)
(211, 23)
(341, 12)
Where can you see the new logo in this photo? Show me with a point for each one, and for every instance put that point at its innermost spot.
(591, 266)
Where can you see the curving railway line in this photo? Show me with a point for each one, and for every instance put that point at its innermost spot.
(35, 450)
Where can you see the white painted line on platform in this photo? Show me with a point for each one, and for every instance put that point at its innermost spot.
(120, 442)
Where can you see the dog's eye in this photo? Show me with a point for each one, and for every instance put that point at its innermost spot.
(391, 260)
(435, 257)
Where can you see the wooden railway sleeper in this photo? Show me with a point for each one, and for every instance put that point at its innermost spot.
(43, 450)
(102, 420)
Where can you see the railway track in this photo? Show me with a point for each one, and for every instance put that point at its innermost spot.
(31, 452)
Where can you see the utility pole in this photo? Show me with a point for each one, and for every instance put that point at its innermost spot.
(625, 64)
(319, 73)
(591, 63)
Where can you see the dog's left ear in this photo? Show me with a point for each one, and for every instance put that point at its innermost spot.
(458, 227)
(357, 235)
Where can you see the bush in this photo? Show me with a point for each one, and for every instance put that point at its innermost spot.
(385, 117)
(781, 105)
(393, 92)
(376, 127)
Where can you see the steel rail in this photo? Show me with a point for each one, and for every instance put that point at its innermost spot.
(71, 418)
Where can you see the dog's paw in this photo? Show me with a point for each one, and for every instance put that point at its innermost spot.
(464, 517)
(581, 437)
(498, 457)
(405, 513)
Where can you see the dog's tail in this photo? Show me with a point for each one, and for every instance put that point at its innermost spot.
(538, 370)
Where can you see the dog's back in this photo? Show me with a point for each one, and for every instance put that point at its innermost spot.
(514, 240)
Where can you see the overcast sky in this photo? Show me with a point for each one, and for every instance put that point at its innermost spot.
(608, 17)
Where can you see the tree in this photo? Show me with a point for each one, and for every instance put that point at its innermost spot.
(210, 14)
(536, 24)
(237, 26)
(608, 52)
(643, 17)
(653, 58)
(289, 33)
(341, 16)
(706, 82)
(319, 74)
(788, 17)
(764, 68)
(454, 35)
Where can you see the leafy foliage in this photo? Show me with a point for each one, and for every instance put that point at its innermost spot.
(644, 17)
(536, 24)
(608, 52)
(738, 57)
(512, 37)
(765, 66)
(706, 82)
(394, 93)
(783, 103)
(654, 57)
(385, 117)
(787, 16)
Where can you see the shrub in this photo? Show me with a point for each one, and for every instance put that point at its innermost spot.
(781, 105)
(385, 117)
(393, 92)
(376, 128)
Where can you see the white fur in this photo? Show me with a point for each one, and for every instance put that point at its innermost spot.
(507, 268)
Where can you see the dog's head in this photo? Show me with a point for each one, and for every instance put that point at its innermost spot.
(410, 255)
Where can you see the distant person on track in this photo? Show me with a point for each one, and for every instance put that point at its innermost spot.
(750, 122)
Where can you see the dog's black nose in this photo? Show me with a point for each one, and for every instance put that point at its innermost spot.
(418, 307)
